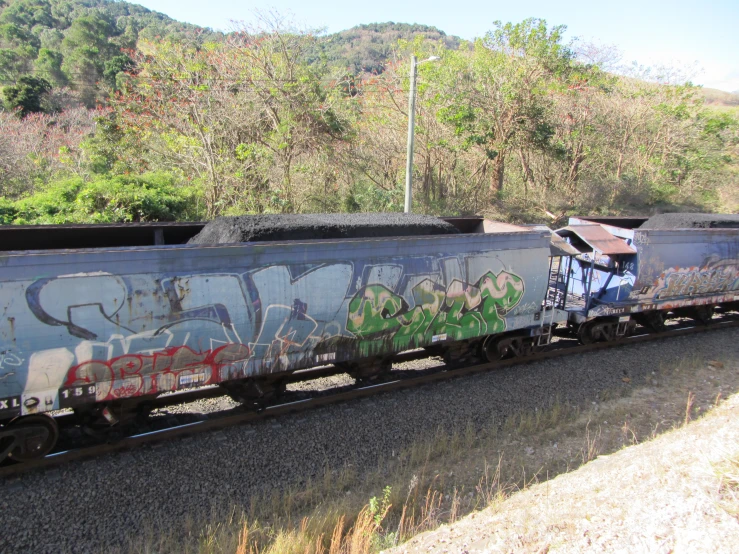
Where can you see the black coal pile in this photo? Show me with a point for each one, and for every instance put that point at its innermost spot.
(695, 221)
(251, 228)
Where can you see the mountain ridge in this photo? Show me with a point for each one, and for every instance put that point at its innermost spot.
(82, 44)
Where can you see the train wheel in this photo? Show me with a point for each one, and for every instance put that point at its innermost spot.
(702, 314)
(35, 436)
(499, 348)
(654, 321)
(585, 332)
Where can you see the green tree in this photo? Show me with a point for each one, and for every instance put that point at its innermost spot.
(247, 118)
(11, 65)
(49, 66)
(89, 32)
(28, 13)
(85, 48)
(114, 67)
(112, 149)
(14, 35)
(498, 93)
(26, 95)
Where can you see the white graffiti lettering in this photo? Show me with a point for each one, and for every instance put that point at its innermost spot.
(8, 359)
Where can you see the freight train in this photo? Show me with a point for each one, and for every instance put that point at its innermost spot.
(101, 319)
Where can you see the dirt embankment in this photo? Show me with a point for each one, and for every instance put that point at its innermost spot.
(676, 493)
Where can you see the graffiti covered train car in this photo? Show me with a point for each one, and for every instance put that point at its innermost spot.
(103, 319)
(626, 274)
(100, 330)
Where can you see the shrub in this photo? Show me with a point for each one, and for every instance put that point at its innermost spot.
(112, 199)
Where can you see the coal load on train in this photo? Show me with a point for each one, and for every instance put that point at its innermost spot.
(692, 221)
(253, 228)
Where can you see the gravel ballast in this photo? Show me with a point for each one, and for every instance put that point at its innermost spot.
(252, 228)
(105, 502)
(692, 221)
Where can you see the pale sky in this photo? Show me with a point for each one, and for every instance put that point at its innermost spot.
(688, 33)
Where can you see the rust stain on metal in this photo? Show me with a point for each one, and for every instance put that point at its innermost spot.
(560, 247)
(598, 238)
(11, 324)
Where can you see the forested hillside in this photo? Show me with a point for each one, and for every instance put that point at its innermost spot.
(116, 113)
(369, 48)
(80, 44)
(83, 45)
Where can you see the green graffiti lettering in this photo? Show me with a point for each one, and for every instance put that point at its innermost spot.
(461, 311)
(373, 311)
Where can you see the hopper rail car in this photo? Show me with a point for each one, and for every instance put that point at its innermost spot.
(105, 320)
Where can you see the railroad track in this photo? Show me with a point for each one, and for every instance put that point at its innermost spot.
(217, 422)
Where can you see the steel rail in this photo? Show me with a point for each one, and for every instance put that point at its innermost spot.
(440, 374)
(215, 391)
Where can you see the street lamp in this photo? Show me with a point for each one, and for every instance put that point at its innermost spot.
(411, 125)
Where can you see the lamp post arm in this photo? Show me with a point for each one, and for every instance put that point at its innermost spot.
(411, 124)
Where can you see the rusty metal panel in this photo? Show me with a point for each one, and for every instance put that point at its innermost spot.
(78, 326)
(557, 245)
(598, 238)
(560, 247)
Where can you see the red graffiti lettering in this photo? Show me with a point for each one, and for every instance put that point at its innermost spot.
(171, 369)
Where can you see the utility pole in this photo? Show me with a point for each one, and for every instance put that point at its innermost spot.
(411, 124)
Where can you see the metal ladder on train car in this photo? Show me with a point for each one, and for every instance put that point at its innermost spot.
(553, 299)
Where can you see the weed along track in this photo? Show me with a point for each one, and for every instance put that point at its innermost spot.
(299, 402)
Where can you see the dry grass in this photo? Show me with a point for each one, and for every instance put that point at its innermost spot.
(677, 493)
(592, 445)
(688, 408)
(360, 538)
(440, 479)
(727, 473)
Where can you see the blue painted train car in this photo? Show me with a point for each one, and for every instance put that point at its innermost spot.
(624, 274)
(97, 329)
